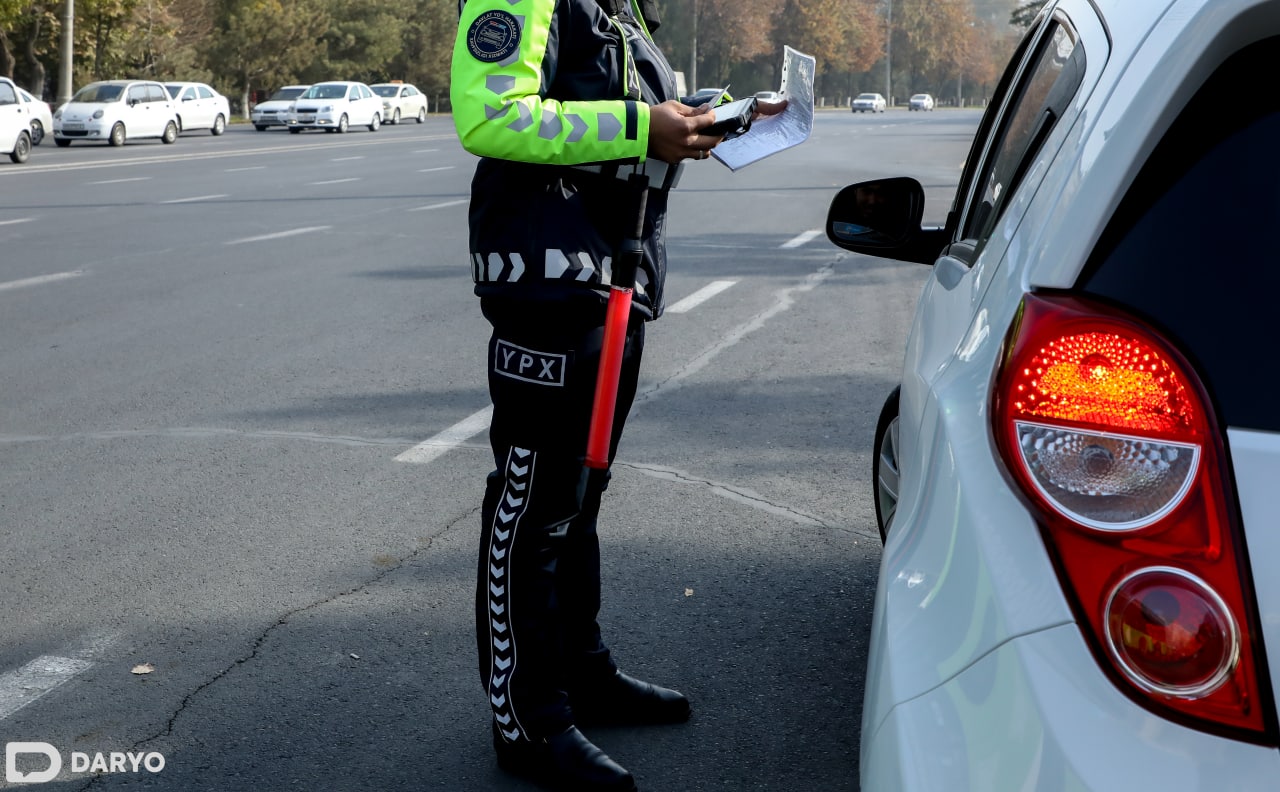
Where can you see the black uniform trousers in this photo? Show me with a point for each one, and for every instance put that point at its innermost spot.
(538, 577)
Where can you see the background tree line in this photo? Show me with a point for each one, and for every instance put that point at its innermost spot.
(951, 48)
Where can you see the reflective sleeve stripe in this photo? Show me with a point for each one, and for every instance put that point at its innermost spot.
(499, 112)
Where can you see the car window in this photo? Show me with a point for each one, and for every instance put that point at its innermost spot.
(7, 95)
(155, 93)
(204, 92)
(1037, 101)
(137, 93)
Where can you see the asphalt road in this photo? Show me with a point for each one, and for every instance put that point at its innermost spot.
(242, 451)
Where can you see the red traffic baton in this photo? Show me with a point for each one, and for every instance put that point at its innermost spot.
(617, 317)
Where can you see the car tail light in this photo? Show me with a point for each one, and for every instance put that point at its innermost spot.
(1109, 433)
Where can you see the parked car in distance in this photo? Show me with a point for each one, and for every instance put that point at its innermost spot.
(1076, 476)
(869, 103)
(769, 96)
(116, 110)
(920, 101)
(199, 107)
(401, 100)
(15, 123)
(335, 107)
(39, 113)
(275, 110)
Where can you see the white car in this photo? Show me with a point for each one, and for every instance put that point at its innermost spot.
(869, 103)
(1077, 476)
(39, 113)
(335, 107)
(15, 123)
(115, 111)
(920, 101)
(275, 110)
(401, 100)
(199, 107)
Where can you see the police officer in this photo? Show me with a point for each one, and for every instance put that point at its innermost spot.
(566, 102)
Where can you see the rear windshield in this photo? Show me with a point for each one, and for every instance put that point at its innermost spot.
(98, 93)
(386, 90)
(1192, 245)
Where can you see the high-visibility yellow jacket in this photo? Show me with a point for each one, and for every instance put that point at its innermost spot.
(538, 87)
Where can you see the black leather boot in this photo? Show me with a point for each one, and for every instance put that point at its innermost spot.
(567, 761)
(624, 700)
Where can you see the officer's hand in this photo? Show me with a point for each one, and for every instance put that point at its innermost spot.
(768, 108)
(674, 131)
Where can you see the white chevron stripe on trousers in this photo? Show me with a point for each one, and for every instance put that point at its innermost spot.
(505, 522)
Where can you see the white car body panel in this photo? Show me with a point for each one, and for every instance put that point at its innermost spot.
(991, 575)
(1256, 463)
(37, 112)
(14, 118)
(408, 106)
(1055, 710)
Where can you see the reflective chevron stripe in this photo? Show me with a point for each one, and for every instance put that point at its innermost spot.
(503, 534)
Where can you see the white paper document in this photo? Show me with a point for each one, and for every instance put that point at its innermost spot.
(771, 134)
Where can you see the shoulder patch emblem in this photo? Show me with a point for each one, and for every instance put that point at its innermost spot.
(493, 36)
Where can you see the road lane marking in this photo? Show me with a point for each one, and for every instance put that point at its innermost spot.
(333, 181)
(277, 235)
(437, 206)
(194, 198)
(16, 220)
(22, 686)
(426, 151)
(700, 296)
(238, 170)
(433, 170)
(346, 159)
(802, 239)
(122, 181)
(41, 279)
(428, 450)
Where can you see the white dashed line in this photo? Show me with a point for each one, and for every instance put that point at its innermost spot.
(436, 206)
(278, 235)
(346, 159)
(433, 170)
(802, 239)
(239, 170)
(122, 181)
(450, 438)
(24, 685)
(39, 280)
(333, 181)
(16, 221)
(700, 296)
(194, 198)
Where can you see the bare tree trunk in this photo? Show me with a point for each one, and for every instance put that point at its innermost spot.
(7, 60)
(37, 75)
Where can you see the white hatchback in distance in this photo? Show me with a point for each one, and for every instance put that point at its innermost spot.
(401, 100)
(114, 111)
(1077, 476)
(869, 103)
(275, 110)
(336, 107)
(15, 123)
(920, 101)
(199, 107)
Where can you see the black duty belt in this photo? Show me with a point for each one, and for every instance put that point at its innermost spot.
(662, 175)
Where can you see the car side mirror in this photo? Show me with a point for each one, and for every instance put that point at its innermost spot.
(882, 218)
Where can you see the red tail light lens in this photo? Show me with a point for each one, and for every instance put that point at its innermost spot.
(1108, 432)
